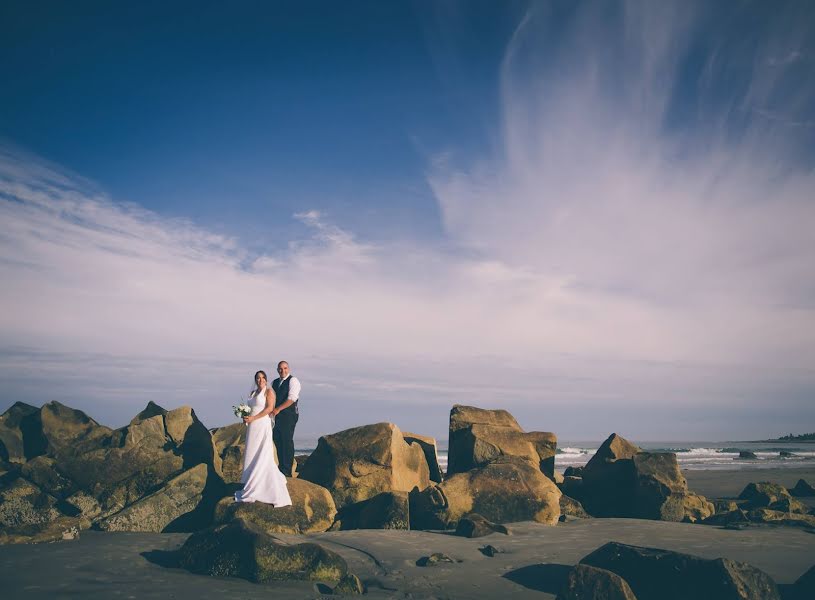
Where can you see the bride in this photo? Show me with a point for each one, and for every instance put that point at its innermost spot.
(262, 480)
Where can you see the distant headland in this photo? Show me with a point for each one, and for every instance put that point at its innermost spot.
(804, 437)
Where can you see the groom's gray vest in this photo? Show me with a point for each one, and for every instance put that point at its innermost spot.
(281, 391)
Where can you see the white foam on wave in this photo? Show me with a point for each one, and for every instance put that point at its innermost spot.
(570, 450)
(698, 458)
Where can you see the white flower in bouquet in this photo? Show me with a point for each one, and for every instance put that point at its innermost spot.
(242, 410)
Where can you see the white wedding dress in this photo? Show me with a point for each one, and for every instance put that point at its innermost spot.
(262, 480)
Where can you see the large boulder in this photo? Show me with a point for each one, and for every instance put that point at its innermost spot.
(299, 462)
(610, 451)
(23, 503)
(151, 410)
(778, 517)
(763, 493)
(598, 488)
(474, 525)
(569, 507)
(61, 528)
(802, 488)
(68, 431)
(590, 583)
(312, 510)
(573, 472)
(44, 472)
(507, 490)
(84, 505)
(143, 431)
(130, 451)
(140, 458)
(622, 481)
(572, 487)
(8, 471)
(359, 463)
(155, 512)
(790, 505)
(730, 518)
(697, 508)
(723, 505)
(241, 549)
(140, 462)
(655, 574)
(192, 438)
(479, 436)
(230, 443)
(151, 472)
(21, 435)
(350, 584)
(388, 510)
(428, 445)
(804, 587)
(659, 487)
(178, 429)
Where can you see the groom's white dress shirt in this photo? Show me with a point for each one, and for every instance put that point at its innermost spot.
(294, 387)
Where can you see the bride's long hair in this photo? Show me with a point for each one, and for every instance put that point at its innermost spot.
(256, 388)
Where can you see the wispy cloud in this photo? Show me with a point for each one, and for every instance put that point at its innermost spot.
(110, 306)
(699, 233)
(791, 57)
(601, 256)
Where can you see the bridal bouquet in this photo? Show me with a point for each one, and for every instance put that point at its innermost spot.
(242, 410)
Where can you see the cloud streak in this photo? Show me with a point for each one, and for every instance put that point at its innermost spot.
(615, 259)
(699, 233)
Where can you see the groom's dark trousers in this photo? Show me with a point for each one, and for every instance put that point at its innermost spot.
(283, 432)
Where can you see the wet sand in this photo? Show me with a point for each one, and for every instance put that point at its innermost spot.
(535, 560)
(729, 484)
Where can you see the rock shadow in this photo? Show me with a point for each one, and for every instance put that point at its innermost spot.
(201, 516)
(163, 558)
(548, 578)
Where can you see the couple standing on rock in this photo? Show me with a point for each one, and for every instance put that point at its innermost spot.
(271, 424)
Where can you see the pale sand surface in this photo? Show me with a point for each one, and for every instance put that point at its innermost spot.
(114, 565)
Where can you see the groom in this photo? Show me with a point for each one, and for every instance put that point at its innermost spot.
(287, 390)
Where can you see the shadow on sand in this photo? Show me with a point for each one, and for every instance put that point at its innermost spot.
(547, 578)
(162, 558)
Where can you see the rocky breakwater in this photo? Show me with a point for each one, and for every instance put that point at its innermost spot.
(61, 470)
(495, 469)
(621, 480)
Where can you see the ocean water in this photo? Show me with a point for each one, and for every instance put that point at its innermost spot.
(690, 455)
(703, 455)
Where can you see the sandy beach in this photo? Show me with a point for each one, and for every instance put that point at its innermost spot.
(729, 484)
(533, 561)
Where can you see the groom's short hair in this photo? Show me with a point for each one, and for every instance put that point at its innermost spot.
(282, 362)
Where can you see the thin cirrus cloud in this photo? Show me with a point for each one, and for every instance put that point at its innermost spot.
(113, 306)
(615, 252)
(700, 234)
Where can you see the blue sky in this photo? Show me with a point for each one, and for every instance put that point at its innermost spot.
(598, 215)
(267, 106)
